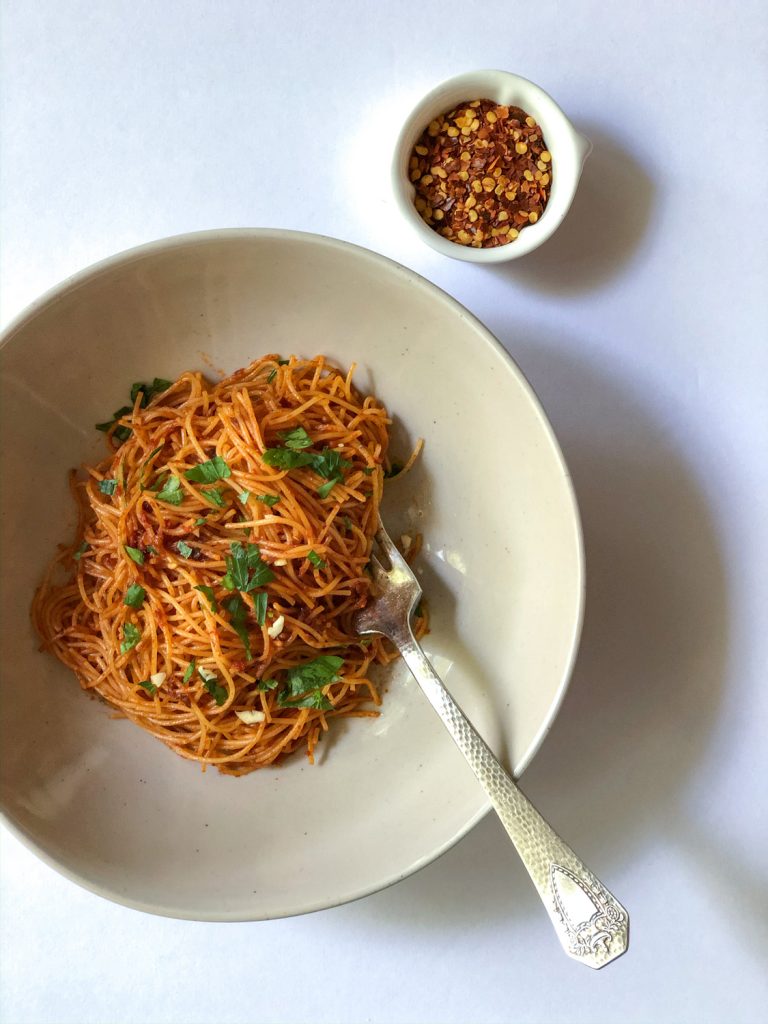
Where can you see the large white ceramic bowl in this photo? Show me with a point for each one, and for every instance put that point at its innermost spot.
(114, 809)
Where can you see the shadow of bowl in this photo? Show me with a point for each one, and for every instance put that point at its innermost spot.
(646, 690)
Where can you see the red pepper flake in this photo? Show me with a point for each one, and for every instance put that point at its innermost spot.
(482, 173)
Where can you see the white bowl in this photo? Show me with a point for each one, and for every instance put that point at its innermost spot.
(569, 150)
(114, 809)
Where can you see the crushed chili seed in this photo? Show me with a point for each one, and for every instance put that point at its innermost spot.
(482, 173)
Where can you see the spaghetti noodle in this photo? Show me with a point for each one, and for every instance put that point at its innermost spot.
(221, 556)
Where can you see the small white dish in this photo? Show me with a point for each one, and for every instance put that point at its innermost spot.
(111, 807)
(569, 150)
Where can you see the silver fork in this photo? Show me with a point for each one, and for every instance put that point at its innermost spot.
(590, 923)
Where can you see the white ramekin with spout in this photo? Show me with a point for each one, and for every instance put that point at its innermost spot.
(568, 147)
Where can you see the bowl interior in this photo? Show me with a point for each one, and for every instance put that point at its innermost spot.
(113, 808)
(568, 148)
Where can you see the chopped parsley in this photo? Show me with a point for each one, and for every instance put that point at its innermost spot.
(245, 569)
(271, 377)
(330, 464)
(286, 458)
(297, 439)
(131, 636)
(268, 499)
(120, 432)
(134, 596)
(184, 549)
(188, 672)
(347, 523)
(260, 606)
(304, 683)
(316, 560)
(146, 462)
(107, 486)
(368, 470)
(85, 546)
(172, 491)
(243, 496)
(148, 686)
(327, 463)
(325, 489)
(211, 684)
(283, 362)
(148, 391)
(201, 521)
(208, 592)
(134, 553)
(215, 495)
(394, 469)
(209, 472)
(238, 616)
(266, 684)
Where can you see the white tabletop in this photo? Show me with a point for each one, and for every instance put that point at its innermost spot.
(642, 324)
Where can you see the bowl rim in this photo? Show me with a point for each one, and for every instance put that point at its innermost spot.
(433, 103)
(217, 235)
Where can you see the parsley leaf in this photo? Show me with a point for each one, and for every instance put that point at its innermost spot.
(188, 672)
(184, 549)
(260, 606)
(148, 686)
(216, 496)
(304, 683)
(285, 458)
(148, 391)
(208, 592)
(271, 377)
(329, 464)
(210, 471)
(238, 612)
(243, 496)
(245, 569)
(135, 554)
(283, 362)
(146, 462)
(325, 489)
(151, 549)
(316, 560)
(211, 684)
(107, 486)
(368, 470)
(314, 699)
(266, 684)
(296, 439)
(134, 596)
(347, 523)
(121, 433)
(172, 492)
(201, 521)
(268, 499)
(85, 546)
(131, 636)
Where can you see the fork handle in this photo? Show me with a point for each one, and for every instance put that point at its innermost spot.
(590, 923)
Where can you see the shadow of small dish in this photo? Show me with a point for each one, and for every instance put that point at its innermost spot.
(604, 228)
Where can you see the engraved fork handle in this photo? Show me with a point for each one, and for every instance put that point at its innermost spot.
(590, 923)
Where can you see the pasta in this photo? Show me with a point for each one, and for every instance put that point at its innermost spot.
(220, 558)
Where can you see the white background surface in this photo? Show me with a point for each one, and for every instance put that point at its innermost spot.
(642, 325)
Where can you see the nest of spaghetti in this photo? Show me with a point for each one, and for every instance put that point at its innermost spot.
(220, 558)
